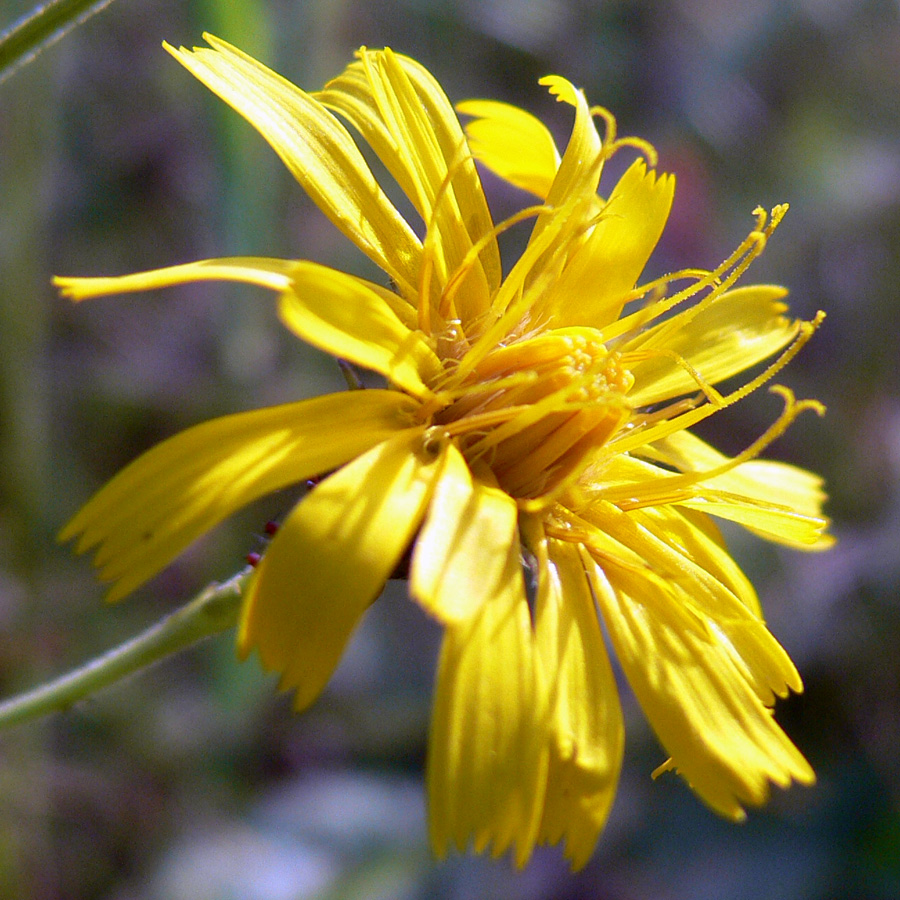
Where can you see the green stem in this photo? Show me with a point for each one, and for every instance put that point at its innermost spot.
(212, 611)
(35, 31)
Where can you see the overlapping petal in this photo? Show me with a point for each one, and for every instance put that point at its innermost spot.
(345, 316)
(656, 538)
(186, 485)
(737, 331)
(596, 281)
(579, 170)
(317, 150)
(459, 564)
(586, 731)
(778, 501)
(331, 558)
(703, 668)
(698, 538)
(487, 759)
(403, 114)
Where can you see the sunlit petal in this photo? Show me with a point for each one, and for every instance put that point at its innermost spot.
(586, 730)
(487, 763)
(778, 501)
(331, 558)
(742, 328)
(579, 170)
(317, 150)
(268, 273)
(512, 143)
(343, 316)
(699, 675)
(402, 112)
(185, 486)
(594, 285)
(459, 562)
(667, 556)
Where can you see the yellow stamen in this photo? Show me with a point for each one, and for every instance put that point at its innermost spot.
(638, 436)
(735, 265)
(670, 489)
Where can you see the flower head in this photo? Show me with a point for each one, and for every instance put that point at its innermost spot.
(535, 421)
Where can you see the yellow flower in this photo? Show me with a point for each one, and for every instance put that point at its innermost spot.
(534, 423)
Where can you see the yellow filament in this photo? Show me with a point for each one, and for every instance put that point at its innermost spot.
(676, 487)
(631, 357)
(468, 262)
(609, 135)
(640, 436)
(736, 264)
(645, 147)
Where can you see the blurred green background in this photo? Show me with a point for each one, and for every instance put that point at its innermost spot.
(194, 779)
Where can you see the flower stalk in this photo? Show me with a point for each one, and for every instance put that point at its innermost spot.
(214, 610)
(22, 41)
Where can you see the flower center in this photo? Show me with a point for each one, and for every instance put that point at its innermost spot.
(535, 410)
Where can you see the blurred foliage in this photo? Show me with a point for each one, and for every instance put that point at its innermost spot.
(194, 780)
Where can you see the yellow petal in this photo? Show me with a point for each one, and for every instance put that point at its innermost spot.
(774, 522)
(699, 538)
(487, 761)
(513, 144)
(317, 150)
(394, 302)
(778, 501)
(268, 273)
(402, 112)
(694, 532)
(579, 170)
(596, 281)
(690, 565)
(587, 735)
(331, 558)
(740, 329)
(341, 315)
(699, 666)
(572, 196)
(183, 487)
(460, 556)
